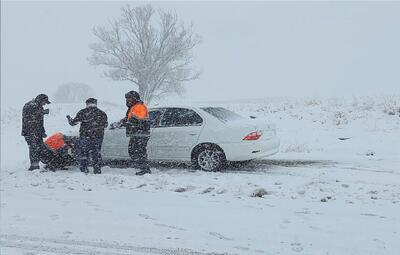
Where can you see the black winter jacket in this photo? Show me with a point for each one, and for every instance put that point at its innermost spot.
(93, 122)
(33, 120)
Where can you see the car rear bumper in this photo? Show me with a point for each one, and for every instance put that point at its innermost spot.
(247, 150)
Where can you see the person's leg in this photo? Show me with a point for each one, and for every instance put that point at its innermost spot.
(58, 160)
(49, 157)
(34, 152)
(84, 148)
(96, 156)
(141, 149)
(63, 159)
(132, 150)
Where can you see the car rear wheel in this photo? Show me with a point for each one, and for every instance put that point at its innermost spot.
(210, 158)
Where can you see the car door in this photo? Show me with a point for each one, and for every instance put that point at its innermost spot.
(155, 118)
(177, 133)
(115, 144)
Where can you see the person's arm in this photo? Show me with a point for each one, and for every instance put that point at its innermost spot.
(37, 118)
(76, 120)
(123, 122)
(105, 120)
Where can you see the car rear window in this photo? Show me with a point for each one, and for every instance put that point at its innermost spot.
(222, 114)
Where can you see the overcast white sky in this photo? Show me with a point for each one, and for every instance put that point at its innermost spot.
(249, 50)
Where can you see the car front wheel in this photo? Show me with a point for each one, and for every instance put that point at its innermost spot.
(210, 158)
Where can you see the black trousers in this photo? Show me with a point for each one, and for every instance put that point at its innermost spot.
(138, 151)
(36, 147)
(90, 148)
(56, 159)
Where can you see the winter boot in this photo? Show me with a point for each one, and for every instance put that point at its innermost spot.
(34, 166)
(84, 170)
(143, 172)
(50, 167)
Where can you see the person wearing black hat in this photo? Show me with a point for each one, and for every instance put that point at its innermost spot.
(33, 127)
(91, 133)
(137, 125)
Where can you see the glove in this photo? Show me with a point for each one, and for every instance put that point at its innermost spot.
(46, 111)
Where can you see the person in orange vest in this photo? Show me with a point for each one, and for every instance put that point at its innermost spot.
(137, 125)
(58, 155)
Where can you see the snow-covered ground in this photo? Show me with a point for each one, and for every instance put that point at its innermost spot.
(334, 188)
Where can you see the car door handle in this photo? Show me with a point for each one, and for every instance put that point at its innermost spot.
(192, 134)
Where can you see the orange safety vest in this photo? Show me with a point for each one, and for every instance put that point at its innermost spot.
(55, 141)
(138, 111)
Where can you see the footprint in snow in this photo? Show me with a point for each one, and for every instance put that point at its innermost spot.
(184, 189)
(296, 247)
(19, 218)
(207, 190)
(218, 235)
(145, 216)
(169, 226)
(54, 216)
(141, 186)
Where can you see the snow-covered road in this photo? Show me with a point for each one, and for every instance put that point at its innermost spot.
(310, 207)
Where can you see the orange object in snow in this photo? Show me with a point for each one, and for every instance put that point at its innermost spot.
(55, 141)
(138, 111)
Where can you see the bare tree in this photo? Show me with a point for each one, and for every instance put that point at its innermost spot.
(73, 92)
(156, 54)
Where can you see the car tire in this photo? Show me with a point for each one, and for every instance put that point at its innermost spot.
(209, 158)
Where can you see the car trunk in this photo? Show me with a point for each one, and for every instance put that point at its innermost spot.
(242, 128)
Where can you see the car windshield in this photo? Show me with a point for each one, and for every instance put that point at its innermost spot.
(222, 114)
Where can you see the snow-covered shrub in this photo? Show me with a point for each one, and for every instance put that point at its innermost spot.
(340, 118)
(391, 105)
(356, 102)
(259, 193)
(312, 102)
(368, 104)
(363, 103)
(370, 153)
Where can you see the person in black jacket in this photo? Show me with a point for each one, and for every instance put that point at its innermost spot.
(137, 125)
(91, 133)
(33, 127)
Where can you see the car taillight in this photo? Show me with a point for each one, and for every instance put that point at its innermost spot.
(253, 136)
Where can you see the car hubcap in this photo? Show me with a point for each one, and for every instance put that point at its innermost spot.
(209, 159)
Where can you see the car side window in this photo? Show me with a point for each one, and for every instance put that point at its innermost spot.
(155, 117)
(176, 117)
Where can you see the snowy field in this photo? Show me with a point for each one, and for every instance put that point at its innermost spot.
(334, 188)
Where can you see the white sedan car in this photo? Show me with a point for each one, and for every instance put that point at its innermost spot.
(206, 136)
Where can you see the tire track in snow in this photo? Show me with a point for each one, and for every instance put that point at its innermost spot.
(64, 246)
